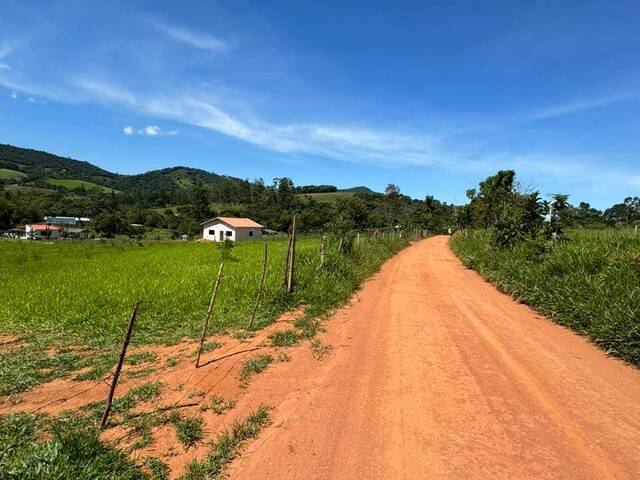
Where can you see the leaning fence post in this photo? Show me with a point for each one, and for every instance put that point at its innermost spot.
(262, 275)
(292, 257)
(116, 374)
(205, 320)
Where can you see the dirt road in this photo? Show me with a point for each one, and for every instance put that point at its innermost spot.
(435, 374)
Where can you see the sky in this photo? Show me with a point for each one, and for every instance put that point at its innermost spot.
(430, 95)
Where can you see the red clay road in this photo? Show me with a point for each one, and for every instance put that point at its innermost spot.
(435, 374)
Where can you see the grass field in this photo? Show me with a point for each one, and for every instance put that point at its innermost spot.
(81, 293)
(327, 197)
(77, 184)
(8, 174)
(589, 281)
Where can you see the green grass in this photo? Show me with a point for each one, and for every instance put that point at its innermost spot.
(71, 184)
(36, 447)
(219, 405)
(188, 430)
(254, 366)
(210, 346)
(227, 447)
(589, 282)
(41, 298)
(27, 366)
(138, 358)
(327, 197)
(285, 338)
(7, 174)
(122, 405)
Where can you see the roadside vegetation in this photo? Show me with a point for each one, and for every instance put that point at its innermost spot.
(585, 279)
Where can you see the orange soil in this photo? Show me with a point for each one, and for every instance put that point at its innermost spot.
(432, 374)
(435, 374)
(185, 389)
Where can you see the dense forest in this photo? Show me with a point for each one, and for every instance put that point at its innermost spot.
(34, 184)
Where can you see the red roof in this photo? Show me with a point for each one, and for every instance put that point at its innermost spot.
(44, 227)
(234, 222)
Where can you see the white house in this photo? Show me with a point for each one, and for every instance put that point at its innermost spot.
(220, 229)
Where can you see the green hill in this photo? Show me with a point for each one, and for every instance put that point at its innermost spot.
(41, 169)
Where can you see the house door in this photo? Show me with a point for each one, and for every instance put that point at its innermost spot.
(221, 236)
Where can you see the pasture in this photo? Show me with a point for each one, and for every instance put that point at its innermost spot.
(66, 294)
(588, 281)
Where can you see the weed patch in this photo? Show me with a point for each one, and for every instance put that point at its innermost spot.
(285, 338)
(254, 366)
(227, 447)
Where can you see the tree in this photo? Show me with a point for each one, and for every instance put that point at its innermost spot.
(199, 202)
(109, 224)
(557, 208)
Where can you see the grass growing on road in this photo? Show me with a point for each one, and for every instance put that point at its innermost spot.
(589, 281)
(227, 447)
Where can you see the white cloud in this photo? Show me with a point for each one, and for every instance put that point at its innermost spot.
(35, 100)
(190, 37)
(4, 66)
(149, 131)
(14, 95)
(154, 130)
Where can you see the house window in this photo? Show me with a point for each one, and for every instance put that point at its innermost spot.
(228, 233)
(212, 232)
(251, 233)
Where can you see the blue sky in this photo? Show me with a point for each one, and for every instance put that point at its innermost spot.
(433, 96)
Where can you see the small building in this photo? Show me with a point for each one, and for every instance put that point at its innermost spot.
(39, 231)
(220, 229)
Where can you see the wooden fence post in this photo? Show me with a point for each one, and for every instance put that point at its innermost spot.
(261, 285)
(286, 264)
(322, 247)
(116, 374)
(205, 320)
(292, 258)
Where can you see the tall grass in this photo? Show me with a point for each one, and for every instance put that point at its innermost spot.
(589, 281)
(85, 290)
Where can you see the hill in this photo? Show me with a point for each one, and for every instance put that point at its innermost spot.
(23, 168)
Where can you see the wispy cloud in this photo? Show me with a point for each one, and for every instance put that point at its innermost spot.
(14, 95)
(187, 36)
(578, 106)
(4, 66)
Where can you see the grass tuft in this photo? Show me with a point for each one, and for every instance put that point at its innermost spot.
(254, 366)
(285, 338)
(227, 447)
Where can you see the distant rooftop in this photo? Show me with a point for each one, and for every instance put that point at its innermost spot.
(234, 222)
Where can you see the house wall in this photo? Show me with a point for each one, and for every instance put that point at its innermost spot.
(248, 233)
(212, 233)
